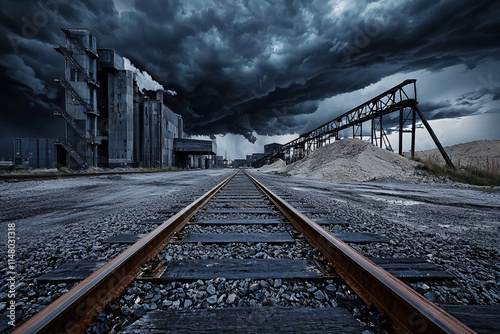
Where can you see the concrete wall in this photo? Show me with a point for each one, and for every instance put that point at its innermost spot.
(152, 129)
(149, 125)
(172, 132)
(121, 118)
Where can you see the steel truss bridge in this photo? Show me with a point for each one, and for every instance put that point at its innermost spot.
(400, 99)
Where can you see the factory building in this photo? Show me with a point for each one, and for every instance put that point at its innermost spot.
(238, 163)
(156, 130)
(109, 121)
(270, 148)
(195, 153)
(254, 157)
(220, 162)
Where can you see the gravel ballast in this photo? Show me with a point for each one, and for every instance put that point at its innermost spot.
(453, 226)
(65, 220)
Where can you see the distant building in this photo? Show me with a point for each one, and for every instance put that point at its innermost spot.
(270, 148)
(237, 163)
(109, 122)
(195, 153)
(256, 156)
(156, 129)
(220, 162)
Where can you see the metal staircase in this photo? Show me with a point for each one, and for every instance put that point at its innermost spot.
(71, 151)
(89, 109)
(79, 71)
(88, 138)
(68, 54)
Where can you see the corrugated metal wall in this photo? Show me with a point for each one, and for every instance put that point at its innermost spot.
(35, 152)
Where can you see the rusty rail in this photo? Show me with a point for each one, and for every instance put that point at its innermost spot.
(74, 310)
(409, 311)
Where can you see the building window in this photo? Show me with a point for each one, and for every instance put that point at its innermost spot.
(73, 74)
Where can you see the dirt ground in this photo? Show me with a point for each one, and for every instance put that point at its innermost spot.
(39, 207)
(480, 154)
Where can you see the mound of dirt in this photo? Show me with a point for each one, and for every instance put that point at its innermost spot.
(276, 166)
(480, 154)
(353, 159)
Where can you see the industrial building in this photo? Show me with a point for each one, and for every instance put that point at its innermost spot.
(254, 157)
(109, 121)
(237, 163)
(194, 153)
(270, 148)
(32, 153)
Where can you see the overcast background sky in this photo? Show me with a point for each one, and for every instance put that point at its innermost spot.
(255, 72)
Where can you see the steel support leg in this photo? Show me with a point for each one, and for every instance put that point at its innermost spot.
(381, 132)
(434, 137)
(413, 128)
(401, 132)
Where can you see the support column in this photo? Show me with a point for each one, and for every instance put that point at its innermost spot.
(380, 132)
(400, 132)
(413, 129)
(434, 137)
(373, 131)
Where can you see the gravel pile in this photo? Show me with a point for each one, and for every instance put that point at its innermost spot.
(353, 159)
(275, 166)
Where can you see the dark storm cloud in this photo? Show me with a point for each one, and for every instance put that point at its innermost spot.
(247, 67)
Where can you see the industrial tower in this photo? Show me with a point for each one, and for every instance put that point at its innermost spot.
(80, 84)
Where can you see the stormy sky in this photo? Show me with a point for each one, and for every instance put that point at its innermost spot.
(255, 72)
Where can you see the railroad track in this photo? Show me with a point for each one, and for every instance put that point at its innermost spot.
(267, 257)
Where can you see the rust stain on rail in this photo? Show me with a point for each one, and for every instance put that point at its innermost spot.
(409, 311)
(73, 311)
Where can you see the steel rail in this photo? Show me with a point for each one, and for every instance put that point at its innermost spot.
(409, 311)
(74, 310)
